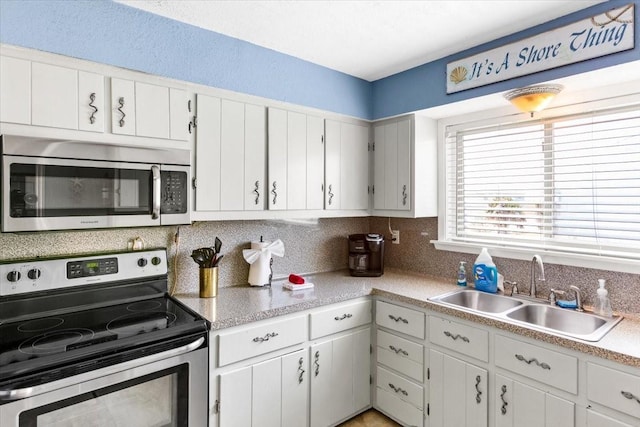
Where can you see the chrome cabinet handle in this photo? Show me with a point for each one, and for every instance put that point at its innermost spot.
(344, 316)
(255, 190)
(398, 319)
(398, 350)
(398, 389)
(300, 370)
(121, 102)
(266, 337)
(478, 392)
(503, 409)
(630, 396)
(404, 195)
(92, 98)
(316, 362)
(543, 365)
(193, 123)
(456, 336)
(330, 194)
(274, 192)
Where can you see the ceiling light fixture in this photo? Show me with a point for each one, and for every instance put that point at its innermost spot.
(532, 99)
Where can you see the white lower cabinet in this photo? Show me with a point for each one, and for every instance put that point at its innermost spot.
(273, 393)
(458, 392)
(520, 405)
(340, 378)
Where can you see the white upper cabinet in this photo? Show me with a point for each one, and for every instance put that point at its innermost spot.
(405, 167)
(346, 166)
(15, 90)
(232, 155)
(123, 107)
(255, 159)
(296, 161)
(277, 159)
(54, 100)
(152, 110)
(178, 114)
(208, 153)
(91, 102)
(315, 163)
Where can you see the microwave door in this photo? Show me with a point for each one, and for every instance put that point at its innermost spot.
(58, 194)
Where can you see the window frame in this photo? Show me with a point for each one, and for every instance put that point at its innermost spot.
(524, 252)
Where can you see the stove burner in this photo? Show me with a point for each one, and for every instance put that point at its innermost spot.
(144, 306)
(40, 324)
(139, 323)
(55, 341)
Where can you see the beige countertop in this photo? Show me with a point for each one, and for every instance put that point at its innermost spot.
(238, 305)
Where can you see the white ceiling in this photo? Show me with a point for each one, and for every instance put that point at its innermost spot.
(363, 38)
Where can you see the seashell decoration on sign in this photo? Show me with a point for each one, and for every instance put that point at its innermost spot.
(458, 74)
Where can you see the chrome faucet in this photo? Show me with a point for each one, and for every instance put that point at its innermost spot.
(578, 297)
(532, 287)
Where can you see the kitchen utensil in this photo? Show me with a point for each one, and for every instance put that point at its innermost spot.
(218, 245)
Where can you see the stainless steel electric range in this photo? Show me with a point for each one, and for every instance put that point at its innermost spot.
(95, 340)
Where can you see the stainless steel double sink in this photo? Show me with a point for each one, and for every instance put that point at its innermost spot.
(586, 326)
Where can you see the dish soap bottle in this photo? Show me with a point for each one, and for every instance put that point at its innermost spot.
(485, 273)
(462, 274)
(603, 304)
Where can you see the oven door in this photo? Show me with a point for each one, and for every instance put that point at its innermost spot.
(165, 389)
(41, 193)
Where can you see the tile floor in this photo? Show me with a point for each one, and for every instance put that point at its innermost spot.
(370, 418)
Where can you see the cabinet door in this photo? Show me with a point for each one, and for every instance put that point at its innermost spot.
(342, 378)
(255, 146)
(266, 398)
(295, 389)
(332, 164)
(390, 166)
(321, 387)
(379, 167)
(232, 156)
(458, 392)
(277, 159)
(90, 101)
(123, 107)
(354, 167)
(361, 368)
(54, 96)
(179, 114)
(404, 165)
(296, 161)
(15, 90)
(152, 110)
(315, 163)
(235, 398)
(208, 154)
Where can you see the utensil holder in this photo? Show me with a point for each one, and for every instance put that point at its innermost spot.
(208, 282)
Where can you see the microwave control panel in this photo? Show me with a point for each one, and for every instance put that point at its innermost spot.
(174, 192)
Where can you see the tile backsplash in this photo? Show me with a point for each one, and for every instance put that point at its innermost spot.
(312, 246)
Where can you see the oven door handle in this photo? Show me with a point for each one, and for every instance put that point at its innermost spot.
(156, 184)
(22, 393)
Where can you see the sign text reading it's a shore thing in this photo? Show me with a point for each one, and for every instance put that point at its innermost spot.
(600, 35)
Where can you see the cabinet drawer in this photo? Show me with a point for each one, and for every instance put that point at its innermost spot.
(401, 319)
(398, 386)
(615, 389)
(547, 366)
(390, 404)
(458, 337)
(595, 419)
(340, 318)
(402, 355)
(261, 338)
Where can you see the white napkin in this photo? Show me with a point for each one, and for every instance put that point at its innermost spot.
(294, 287)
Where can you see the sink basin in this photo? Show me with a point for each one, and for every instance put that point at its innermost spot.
(585, 326)
(479, 301)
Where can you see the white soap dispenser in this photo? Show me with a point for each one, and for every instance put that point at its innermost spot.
(603, 304)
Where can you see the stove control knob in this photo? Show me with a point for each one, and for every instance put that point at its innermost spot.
(13, 276)
(156, 260)
(33, 274)
(142, 262)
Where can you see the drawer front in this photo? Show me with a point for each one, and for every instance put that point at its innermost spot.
(458, 337)
(341, 318)
(401, 319)
(615, 389)
(595, 419)
(398, 386)
(407, 414)
(401, 355)
(261, 338)
(547, 366)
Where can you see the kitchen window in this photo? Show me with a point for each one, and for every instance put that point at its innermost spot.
(567, 186)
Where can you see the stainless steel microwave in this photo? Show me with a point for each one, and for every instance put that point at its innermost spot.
(52, 184)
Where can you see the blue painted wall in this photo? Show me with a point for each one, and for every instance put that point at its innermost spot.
(111, 33)
(425, 86)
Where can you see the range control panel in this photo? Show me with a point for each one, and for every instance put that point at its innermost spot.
(37, 275)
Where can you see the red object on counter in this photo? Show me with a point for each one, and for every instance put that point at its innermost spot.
(296, 280)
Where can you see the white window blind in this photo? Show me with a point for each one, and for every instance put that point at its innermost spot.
(568, 184)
